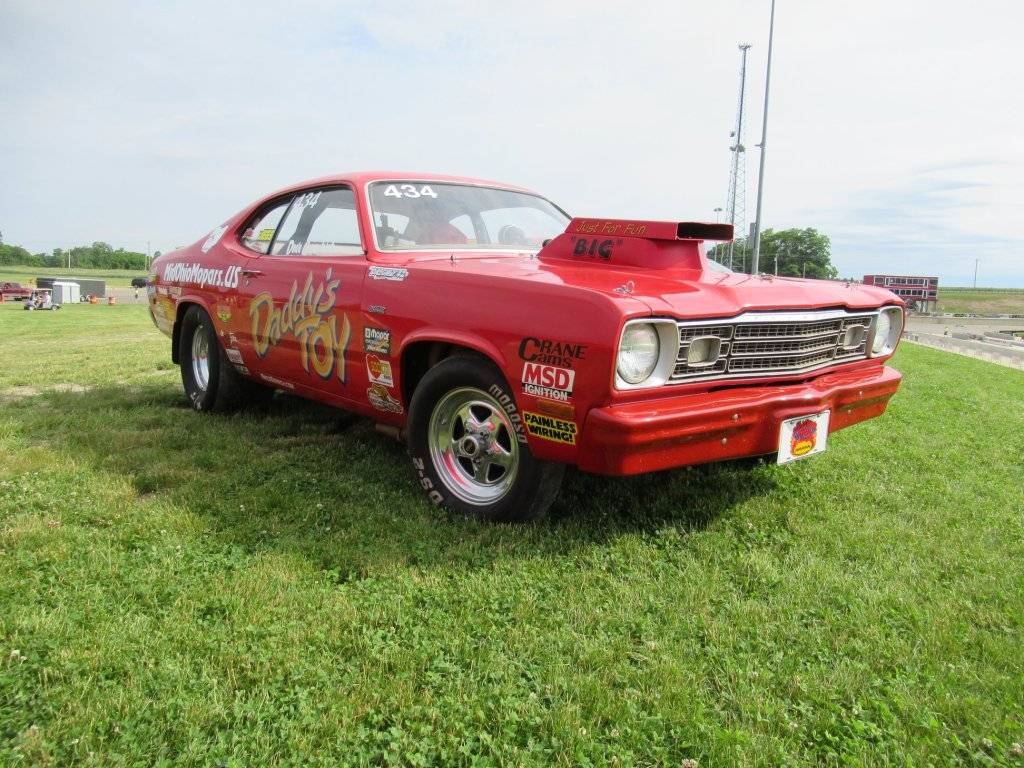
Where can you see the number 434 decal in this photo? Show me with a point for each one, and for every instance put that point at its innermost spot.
(408, 190)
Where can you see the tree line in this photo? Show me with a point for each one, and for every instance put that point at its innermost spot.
(96, 256)
(789, 252)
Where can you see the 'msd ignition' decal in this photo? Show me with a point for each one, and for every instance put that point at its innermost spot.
(309, 316)
(548, 381)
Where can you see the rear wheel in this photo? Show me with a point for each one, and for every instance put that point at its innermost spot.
(210, 380)
(467, 445)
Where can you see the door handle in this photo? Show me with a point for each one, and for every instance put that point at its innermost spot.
(250, 273)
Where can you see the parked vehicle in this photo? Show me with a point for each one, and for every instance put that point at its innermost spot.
(14, 292)
(139, 282)
(41, 298)
(504, 340)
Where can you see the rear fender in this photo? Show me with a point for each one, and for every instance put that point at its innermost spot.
(181, 308)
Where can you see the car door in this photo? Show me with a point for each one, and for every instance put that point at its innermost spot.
(299, 292)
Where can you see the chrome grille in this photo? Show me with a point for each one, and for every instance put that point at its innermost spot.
(774, 343)
(787, 330)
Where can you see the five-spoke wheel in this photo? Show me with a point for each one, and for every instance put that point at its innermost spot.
(473, 445)
(469, 448)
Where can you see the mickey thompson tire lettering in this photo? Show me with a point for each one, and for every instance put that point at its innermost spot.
(426, 482)
(535, 483)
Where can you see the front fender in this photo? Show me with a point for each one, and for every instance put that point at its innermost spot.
(460, 338)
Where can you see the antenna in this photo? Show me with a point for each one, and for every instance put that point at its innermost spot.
(737, 202)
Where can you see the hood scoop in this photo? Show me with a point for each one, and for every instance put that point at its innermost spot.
(628, 243)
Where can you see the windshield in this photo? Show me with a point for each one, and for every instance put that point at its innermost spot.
(716, 267)
(418, 214)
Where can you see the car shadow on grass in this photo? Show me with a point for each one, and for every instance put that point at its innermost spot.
(304, 478)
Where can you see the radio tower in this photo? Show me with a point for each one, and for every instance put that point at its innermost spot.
(737, 205)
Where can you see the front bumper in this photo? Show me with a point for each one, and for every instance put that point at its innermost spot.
(727, 424)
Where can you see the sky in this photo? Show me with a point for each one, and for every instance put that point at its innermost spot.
(894, 126)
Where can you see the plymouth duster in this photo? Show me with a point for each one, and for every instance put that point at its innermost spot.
(504, 340)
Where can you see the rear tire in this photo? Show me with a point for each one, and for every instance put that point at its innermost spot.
(468, 445)
(210, 380)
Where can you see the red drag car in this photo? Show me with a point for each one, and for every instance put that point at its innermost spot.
(505, 340)
(14, 292)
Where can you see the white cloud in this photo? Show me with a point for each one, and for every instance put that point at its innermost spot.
(132, 122)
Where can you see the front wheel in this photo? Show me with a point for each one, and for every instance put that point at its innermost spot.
(468, 445)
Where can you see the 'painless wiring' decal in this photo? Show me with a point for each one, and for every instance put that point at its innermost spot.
(550, 428)
(309, 316)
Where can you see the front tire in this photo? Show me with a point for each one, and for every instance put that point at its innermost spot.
(211, 382)
(468, 445)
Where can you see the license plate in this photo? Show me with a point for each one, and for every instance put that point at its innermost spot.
(803, 436)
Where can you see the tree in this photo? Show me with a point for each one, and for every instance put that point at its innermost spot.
(96, 256)
(800, 253)
(15, 254)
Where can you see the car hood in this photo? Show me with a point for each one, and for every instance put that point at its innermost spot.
(682, 293)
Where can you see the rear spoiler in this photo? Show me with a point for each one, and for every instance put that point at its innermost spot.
(651, 230)
(624, 242)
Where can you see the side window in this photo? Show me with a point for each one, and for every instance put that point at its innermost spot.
(322, 222)
(260, 232)
(465, 225)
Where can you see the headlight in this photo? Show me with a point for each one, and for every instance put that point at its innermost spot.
(638, 352)
(888, 327)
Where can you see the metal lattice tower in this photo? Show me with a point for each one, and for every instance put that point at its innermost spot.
(737, 202)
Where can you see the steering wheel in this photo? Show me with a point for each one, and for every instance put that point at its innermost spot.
(511, 235)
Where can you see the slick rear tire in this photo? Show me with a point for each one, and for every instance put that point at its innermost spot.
(210, 380)
(468, 445)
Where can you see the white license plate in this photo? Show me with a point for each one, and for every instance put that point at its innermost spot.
(803, 436)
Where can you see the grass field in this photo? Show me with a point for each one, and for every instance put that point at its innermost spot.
(1004, 301)
(28, 275)
(270, 588)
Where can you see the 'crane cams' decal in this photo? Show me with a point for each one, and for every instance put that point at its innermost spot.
(309, 316)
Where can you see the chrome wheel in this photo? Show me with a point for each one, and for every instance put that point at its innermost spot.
(473, 446)
(201, 357)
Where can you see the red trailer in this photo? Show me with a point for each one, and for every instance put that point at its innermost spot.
(918, 291)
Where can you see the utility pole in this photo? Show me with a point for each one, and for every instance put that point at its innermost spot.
(737, 203)
(148, 257)
(762, 145)
(976, 272)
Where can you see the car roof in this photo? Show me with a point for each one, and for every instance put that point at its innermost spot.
(364, 177)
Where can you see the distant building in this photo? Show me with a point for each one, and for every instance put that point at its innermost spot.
(917, 291)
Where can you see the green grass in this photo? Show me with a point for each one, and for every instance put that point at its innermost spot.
(27, 275)
(270, 588)
(982, 301)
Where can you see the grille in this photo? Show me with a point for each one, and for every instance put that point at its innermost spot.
(771, 344)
